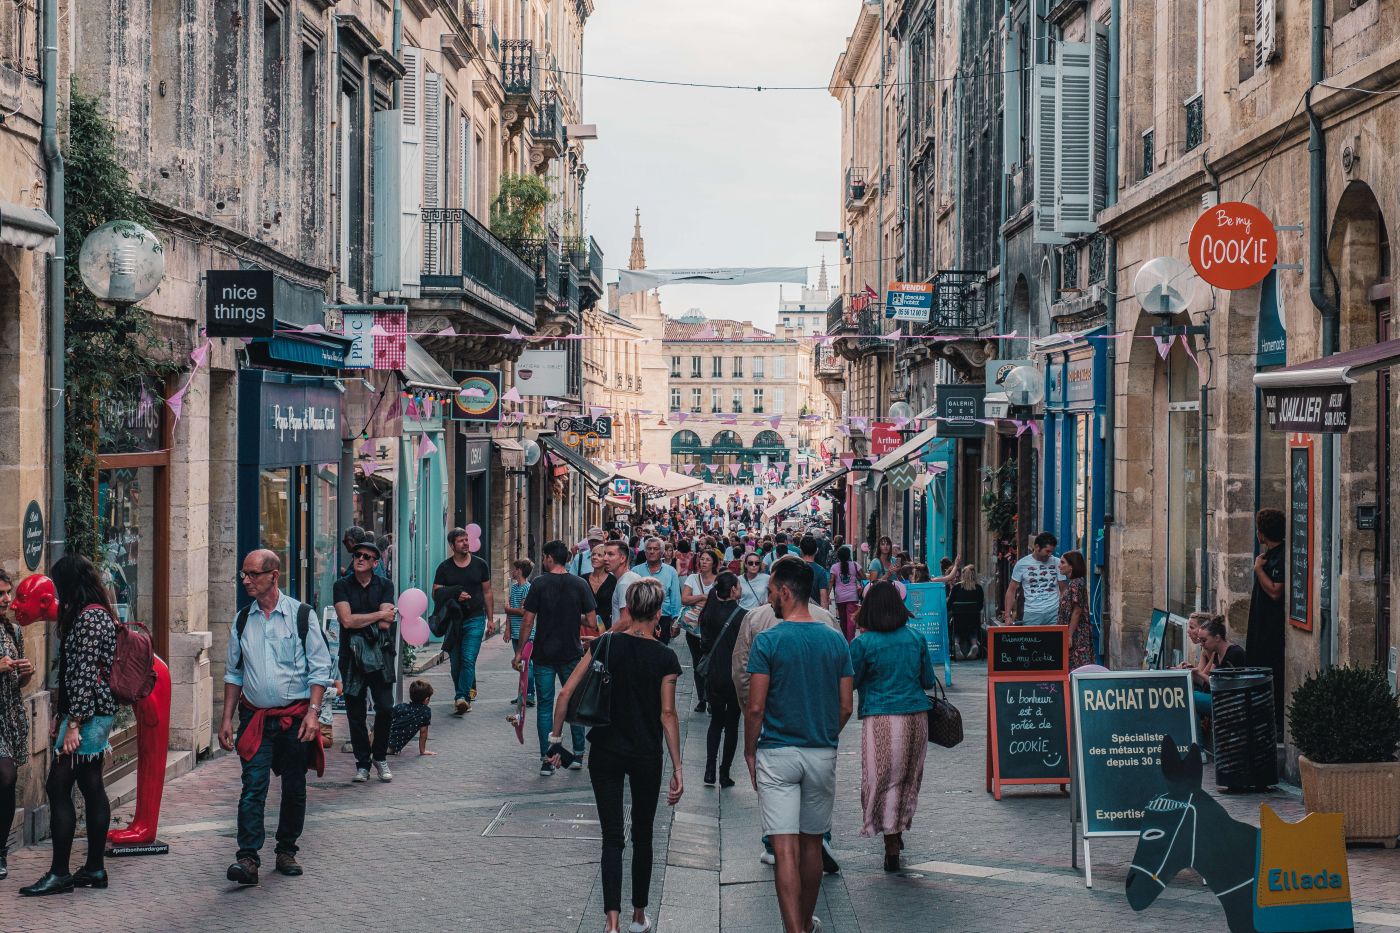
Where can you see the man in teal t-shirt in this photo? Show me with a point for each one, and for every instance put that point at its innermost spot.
(800, 698)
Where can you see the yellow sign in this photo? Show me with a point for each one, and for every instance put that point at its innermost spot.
(1302, 882)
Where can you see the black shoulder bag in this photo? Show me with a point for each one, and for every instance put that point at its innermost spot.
(945, 725)
(591, 702)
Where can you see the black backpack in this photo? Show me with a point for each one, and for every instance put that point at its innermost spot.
(303, 628)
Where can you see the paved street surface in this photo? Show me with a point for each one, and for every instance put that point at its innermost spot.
(474, 840)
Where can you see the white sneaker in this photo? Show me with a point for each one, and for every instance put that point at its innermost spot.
(643, 927)
(816, 924)
(768, 858)
(385, 775)
(361, 775)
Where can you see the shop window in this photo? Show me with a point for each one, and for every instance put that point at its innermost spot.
(275, 515)
(1083, 481)
(1183, 479)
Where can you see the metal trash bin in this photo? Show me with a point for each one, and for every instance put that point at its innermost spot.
(1242, 728)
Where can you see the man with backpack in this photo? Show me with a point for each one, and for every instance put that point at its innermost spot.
(277, 670)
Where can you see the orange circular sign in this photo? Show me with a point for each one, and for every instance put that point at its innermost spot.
(1233, 245)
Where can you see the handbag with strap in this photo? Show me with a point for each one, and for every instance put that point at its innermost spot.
(702, 667)
(945, 725)
(591, 702)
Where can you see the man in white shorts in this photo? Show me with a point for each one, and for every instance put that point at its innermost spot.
(799, 696)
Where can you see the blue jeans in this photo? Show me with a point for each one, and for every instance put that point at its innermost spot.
(464, 657)
(543, 677)
(1203, 699)
(291, 759)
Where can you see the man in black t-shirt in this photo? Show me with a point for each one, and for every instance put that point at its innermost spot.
(557, 605)
(466, 578)
(1264, 637)
(364, 606)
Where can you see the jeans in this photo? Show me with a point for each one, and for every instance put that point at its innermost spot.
(606, 772)
(724, 719)
(382, 693)
(463, 658)
(1203, 699)
(515, 644)
(279, 751)
(543, 677)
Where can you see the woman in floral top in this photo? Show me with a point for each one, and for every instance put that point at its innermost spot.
(1074, 610)
(87, 634)
(15, 672)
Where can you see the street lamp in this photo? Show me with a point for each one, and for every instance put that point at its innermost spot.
(121, 262)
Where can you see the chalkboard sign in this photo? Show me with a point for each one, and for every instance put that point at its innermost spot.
(1027, 649)
(1299, 535)
(929, 604)
(1030, 732)
(1120, 718)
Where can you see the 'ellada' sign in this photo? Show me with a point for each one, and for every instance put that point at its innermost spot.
(238, 303)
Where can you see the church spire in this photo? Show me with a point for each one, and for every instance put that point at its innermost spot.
(638, 259)
(821, 282)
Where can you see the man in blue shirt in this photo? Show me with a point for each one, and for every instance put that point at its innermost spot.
(670, 582)
(821, 579)
(275, 679)
(800, 698)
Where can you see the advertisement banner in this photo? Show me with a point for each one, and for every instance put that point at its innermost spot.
(542, 372)
(356, 327)
(909, 301)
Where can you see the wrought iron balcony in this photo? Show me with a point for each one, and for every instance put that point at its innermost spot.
(836, 320)
(856, 186)
(568, 290)
(959, 304)
(520, 80)
(541, 255)
(548, 130)
(871, 328)
(485, 270)
(591, 276)
(1195, 122)
(827, 364)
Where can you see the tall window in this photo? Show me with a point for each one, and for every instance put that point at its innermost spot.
(1183, 482)
(675, 367)
(758, 401)
(758, 367)
(695, 367)
(717, 367)
(715, 404)
(779, 367)
(779, 401)
(675, 400)
(310, 131)
(273, 56)
(695, 400)
(738, 367)
(738, 401)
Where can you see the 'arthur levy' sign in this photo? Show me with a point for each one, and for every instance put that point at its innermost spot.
(1309, 409)
(238, 303)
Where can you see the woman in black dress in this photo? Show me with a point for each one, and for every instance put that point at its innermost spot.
(966, 603)
(720, 611)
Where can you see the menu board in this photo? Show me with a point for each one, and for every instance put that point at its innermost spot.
(1120, 720)
(1026, 649)
(1031, 732)
(1299, 534)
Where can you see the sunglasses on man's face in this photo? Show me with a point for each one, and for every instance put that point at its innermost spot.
(364, 556)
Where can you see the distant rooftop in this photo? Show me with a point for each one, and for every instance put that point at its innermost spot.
(697, 327)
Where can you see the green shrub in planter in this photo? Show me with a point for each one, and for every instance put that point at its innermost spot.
(1345, 715)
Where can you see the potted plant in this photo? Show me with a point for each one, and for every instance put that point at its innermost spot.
(1346, 725)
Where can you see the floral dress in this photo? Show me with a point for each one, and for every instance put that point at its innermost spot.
(14, 724)
(1081, 641)
(85, 666)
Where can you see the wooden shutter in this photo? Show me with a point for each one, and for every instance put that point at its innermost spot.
(1011, 100)
(1043, 114)
(1265, 35)
(464, 159)
(411, 172)
(432, 165)
(1099, 173)
(1074, 138)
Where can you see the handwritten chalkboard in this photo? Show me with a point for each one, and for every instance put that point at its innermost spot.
(1014, 650)
(1299, 533)
(1119, 721)
(1032, 733)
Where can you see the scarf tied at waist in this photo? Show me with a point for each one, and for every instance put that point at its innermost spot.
(289, 718)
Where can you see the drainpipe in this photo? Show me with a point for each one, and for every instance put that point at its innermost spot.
(1328, 305)
(53, 156)
(397, 47)
(1110, 346)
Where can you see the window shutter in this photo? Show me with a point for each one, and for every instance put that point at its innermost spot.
(432, 164)
(1099, 175)
(464, 159)
(1265, 36)
(388, 216)
(1011, 100)
(1044, 113)
(411, 173)
(1074, 138)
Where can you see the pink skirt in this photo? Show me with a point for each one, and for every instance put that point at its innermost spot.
(892, 750)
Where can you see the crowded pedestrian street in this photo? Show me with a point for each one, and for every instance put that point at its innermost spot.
(474, 840)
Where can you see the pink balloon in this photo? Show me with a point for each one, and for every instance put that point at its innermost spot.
(412, 602)
(414, 630)
(473, 537)
(865, 547)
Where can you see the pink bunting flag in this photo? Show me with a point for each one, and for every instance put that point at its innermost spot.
(680, 416)
(448, 331)
(512, 396)
(860, 424)
(688, 469)
(845, 431)
(1186, 345)
(367, 449)
(665, 468)
(900, 423)
(734, 470)
(705, 333)
(378, 331)
(514, 334)
(642, 466)
(551, 404)
(177, 402)
(1164, 345)
(314, 329)
(847, 460)
(594, 412)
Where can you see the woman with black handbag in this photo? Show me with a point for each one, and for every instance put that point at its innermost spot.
(635, 680)
(892, 671)
(719, 626)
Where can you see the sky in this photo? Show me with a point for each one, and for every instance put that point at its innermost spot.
(722, 177)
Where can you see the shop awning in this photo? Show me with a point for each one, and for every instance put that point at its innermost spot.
(26, 227)
(591, 472)
(1315, 397)
(906, 450)
(804, 492)
(618, 502)
(512, 454)
(672, 482)
(421, 371)
(1336, 370)
(289, 344)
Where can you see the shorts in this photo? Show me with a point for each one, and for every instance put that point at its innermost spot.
(92, 737)
(796, 789)
(1041, 617)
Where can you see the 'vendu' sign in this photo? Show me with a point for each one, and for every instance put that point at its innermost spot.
(909, 301)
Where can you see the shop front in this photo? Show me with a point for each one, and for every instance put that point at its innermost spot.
(289, 442)
(472, 485)
(1074, 450)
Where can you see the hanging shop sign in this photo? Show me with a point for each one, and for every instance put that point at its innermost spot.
(1027, 706)
(1309, 409)
(32, 535)
(884, 439)
(909, 301)
(1300, 500)
(542, 372)
(476, 455)
(391, 344)
(478, 396)
(300, 423)
(959, 407)
(356, 326)
(586, 431)
(238, 303)
(1271, 341)
(1233, 245)
(622, 487)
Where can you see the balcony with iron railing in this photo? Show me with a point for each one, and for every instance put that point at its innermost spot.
(591, 276)
(960, 306)
(856, 186)
(520, 81)
(836, 321)
(871, 328)
(485, 273)
(548, 131)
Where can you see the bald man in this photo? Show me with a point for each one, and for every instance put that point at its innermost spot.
(277, 671)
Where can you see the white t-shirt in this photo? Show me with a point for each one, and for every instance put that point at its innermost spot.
(1040, 582)
(753, 593)
(619, 600)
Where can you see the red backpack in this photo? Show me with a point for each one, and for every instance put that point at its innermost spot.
(133, 674)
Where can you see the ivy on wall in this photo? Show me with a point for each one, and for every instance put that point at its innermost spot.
(109, 349)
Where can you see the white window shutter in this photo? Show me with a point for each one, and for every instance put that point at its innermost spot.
(411, 173)
(1011, 100)
(388, 214)
(1265, 34)
(411, 94)
(464, 160)
(1044, 113)
(432, 165)
(1074, 138)
(1099, 174)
